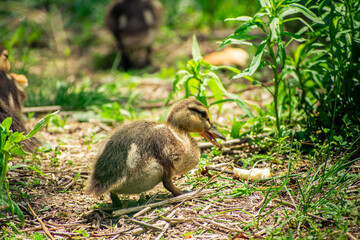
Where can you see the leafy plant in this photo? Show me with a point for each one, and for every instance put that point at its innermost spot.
(337, 69)
(10, 146)
(199, 79)
(271, 52)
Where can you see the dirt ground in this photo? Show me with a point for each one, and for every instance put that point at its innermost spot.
(55, 204)
(61, 207)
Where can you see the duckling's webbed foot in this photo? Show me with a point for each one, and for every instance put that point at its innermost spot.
(115, 200)
(169, 185)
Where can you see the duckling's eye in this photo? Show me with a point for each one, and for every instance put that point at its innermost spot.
(202, 113)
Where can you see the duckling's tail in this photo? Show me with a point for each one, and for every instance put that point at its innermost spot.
(96, 185)
(94, 188)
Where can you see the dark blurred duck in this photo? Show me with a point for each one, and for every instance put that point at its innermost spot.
(142, 154)
(135, 24)
(12, 97)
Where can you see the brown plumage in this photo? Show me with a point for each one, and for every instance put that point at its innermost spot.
(141, 154)
(12, 97)
(134, 24)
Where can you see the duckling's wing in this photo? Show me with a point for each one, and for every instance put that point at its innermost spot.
(125, 158)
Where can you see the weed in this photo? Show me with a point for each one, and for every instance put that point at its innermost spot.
(199, 78)
(10, 146)
(270, 20)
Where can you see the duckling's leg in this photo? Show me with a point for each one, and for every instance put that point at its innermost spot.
(115, 200)
(148, 56)
(169, 185)
(126, 62)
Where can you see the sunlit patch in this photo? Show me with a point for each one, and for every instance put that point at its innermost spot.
(159, 126)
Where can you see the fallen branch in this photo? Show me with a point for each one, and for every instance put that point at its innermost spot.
(41, 222)
(147, 225)
(180, 198)
(138, 231)
(41, 109)
(208, 228)
(141, 212)
(219, 170)
(352, 237)
(231, 142)
(167, 225)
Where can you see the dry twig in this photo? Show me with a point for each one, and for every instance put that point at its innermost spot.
(41, 222)
(147, 225)
(42, 109)
(165, 202)
(167, 225)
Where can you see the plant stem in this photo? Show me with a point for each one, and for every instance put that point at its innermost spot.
(4, 171)
(276, 83)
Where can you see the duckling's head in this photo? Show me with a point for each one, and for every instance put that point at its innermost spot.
(4, 60)
(191, 115)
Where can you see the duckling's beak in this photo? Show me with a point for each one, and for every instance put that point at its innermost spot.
(211, 134)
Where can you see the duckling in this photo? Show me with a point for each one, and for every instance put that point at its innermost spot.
(141, 154)
(12, 93)
(134, 24)
(12, 97)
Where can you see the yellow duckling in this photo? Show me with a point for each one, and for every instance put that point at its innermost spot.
(141, 154)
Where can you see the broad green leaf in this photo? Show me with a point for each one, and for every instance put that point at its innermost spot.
(274, 28)
(193, 85)
(297, 8)
(18, 212)
(234, 41)
(265, 3)
(298, 53)
(235, 129)
(244, 28)
(7, 124)
(195, 49)
(305, 23)
(242, 74)
(16, 137)
(29, 167)
(255, 63)
(17, 150)
(233, 69)
(217, 81)
(257, 58)
(282, 53)
(240, 103)
(240, 34)
(321, 6)
(217, 92)
(295, 36)
(13, 207)
(40, 125)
